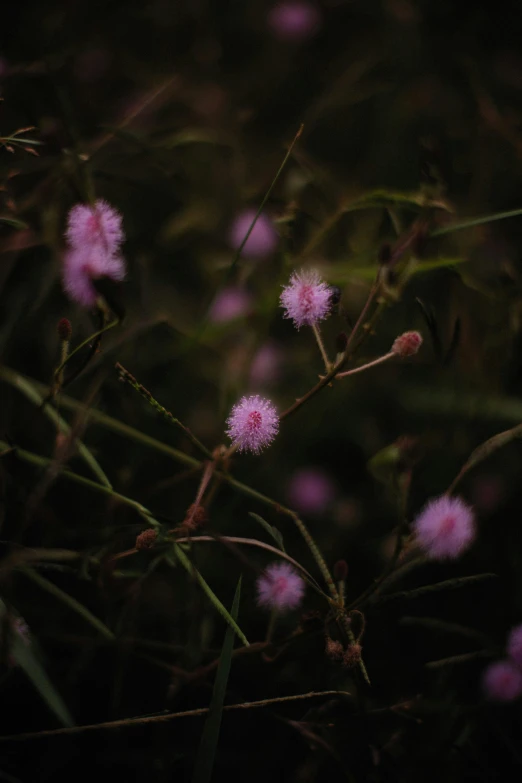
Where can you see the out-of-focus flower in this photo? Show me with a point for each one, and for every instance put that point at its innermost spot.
(263, 237)
(266, 365)
(514, 645)
(445, 528)
(230, 303)
(93, 225)
(294, 21)
(306, 299)
(502, 681)
(253, 423)
(310, 490)
(407, 344)
(280, 587)
(94, 236)
(82, 266)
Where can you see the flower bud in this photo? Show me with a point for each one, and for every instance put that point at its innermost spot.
(64, 329)
(407, 344)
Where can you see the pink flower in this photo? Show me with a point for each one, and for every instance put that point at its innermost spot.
(266, 365)
(294, 20)
(306, 299)
(310, 490)
(280, 587)
(263, 238)
(445, 528)
(95, 225)
(407, 344)
(253, 423)
(229, 303)
(514, 645)
(83, 265)
(502, 681)
(94, 236)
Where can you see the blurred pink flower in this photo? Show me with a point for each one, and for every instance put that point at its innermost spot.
(294, 20)
(253, 423)
(266, 365)
(310, 490)
(98, 224)
(94, 235)
(514, 645)
(306, 299)
(83, 265)
(263, 237)
(280, 587)
(502, 681)
(230, 303)
(445, 528)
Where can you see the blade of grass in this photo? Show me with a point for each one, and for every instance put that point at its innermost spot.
(478, 221)
(26, 656)
(209, 739)
(190, 568)
(272, 531)
(29, 391)
(68, 600)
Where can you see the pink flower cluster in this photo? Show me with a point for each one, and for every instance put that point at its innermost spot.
(445, 528)
(94, 237)
(253, 423)
(502, 680)
(280, 587)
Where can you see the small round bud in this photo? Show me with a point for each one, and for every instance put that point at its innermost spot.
(352, 655)
(196, 516)
(407, 344)
(340, 570)
(64, 329)
(334, 650)
(341, 341)
(146, 539)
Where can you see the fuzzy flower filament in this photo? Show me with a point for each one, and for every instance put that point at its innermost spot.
(306, 299)
(253, 423)
(502, 681)
(280, 587)
(445, 528)
(94, 237)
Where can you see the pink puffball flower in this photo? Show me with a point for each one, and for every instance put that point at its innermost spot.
(310, 490)
(263, 237)
(230, 303)
(306, 299)
(253, 423)
(502, 681)
(445, 528)
(294, 20)
(514, 646)
(280, 587)
(94, 237)
(95, 225)
(83, 265)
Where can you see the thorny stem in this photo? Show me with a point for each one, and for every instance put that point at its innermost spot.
(126, 376)
(320, 343)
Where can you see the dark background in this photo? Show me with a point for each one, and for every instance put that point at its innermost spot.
(183, 112)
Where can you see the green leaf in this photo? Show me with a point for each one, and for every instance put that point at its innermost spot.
(13, 222)
(383, 465)
(27, 658)
(478, 221)
(270, 529)
(448, 584)
(209, 739)
(385, 198)
(192, 570)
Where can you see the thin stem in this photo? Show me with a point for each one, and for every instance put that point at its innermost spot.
(315, 553)
(126, 376)
(79, 347)
(478, 221)
(262, 205)
(364, 311)
(320, 343)
(374, 363)
(152, 719)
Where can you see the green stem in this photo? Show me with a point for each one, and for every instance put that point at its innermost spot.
(79, 347)
(126, 376)
(472, 222)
